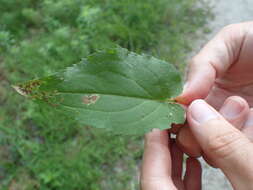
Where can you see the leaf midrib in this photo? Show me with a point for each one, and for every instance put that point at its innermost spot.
(118, 95)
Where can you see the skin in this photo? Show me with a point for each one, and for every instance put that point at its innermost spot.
(224, 67)
(162, 165)
(222, 144)
(219, 128)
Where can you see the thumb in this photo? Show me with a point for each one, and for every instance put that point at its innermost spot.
(228, 148)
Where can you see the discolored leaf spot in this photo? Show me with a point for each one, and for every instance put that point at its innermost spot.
(94, 98)
(90, 99)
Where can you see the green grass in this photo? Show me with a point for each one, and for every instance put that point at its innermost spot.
(47, 150)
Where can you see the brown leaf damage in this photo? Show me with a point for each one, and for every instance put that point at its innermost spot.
(90, 99)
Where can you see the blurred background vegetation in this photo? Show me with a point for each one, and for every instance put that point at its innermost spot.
(41, 149)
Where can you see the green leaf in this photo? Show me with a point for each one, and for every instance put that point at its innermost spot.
(116, 90)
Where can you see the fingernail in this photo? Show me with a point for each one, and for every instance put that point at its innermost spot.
(231, 108)
(249, 122)
(201, 112)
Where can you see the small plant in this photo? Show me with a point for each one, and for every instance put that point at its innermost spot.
(114, 89)
(39, 143)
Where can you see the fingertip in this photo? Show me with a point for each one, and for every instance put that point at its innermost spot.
(235, 110)
(187, 142)
(199, 112)
(200, 79)
(157, 136)
(186, 97)
(198, 88)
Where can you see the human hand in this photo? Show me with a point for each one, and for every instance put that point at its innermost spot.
(222, 144)
(223, 68)
(162, 165)
(235, 110)
(226, 147)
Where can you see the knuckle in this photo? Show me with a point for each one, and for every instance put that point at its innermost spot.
(224, 145)
(194, 63)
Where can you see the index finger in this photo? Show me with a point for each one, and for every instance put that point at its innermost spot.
(213, 61)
